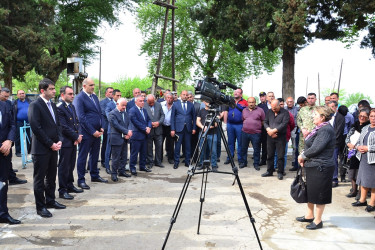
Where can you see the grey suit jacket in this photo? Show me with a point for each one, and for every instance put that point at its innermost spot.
(158, 116)
(119, 127)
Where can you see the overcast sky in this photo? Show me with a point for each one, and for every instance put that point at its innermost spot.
(120, 58)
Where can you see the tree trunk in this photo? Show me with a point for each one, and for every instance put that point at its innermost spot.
(54, 75)
(8, 68)
(288, 88)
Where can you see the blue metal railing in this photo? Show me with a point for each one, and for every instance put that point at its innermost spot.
(24, 141)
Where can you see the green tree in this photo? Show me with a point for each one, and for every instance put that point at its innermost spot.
(24, 29)
(197, 55)
(289, 25)
(354, 98)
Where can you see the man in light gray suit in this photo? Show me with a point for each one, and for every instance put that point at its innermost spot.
(156, 114)
(119, 136)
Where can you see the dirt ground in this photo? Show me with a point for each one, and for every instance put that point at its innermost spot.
(135, 213)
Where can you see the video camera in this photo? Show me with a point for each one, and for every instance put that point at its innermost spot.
(209, 90)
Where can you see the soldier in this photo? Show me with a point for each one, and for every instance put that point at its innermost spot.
(305, 120)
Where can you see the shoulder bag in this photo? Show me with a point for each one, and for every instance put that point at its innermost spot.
(298, 189)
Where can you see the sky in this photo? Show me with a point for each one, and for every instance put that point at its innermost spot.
(121, 58)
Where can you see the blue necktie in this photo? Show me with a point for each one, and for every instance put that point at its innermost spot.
(51, 110)
(143, 114)
(184, 105)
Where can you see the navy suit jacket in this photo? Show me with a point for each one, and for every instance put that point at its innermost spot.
(179, 118)
(69, 124)
(130, 105)
(110, 106)
(45, 130)
(103, 104)
(7, 127)
(89, 114)
(119, 127)
(138, 124)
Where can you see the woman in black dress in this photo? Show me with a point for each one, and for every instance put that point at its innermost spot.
(319, 165)
(363, 120)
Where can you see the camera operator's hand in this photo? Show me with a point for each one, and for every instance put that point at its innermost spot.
(173, 133)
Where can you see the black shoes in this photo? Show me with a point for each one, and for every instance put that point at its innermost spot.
(9, 220)
(257, 168)
(83, 185)
(66, 196)
(313, 226)
(17, 181)
(370, 209)
(226, 162)
(242, 165)
(134, 173)
(335, 184)
(187, 165)
(293, 169)
(266, 174)
(262, 163)
(56, 205)
(171, 161)
(280, 176)
(108, 171)
(124, 174)
(114, 178)
(303, 219)
(214, 169)
(99, 179)
(44, 213)
(160, 165)
(351, 194)
(175, 166)
(75, 190)
(359, 204)
(146, 170)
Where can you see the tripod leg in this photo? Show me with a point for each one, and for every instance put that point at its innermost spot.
(203, 195)
(252, 220)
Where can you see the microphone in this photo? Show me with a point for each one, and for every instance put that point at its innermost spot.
(232, 86)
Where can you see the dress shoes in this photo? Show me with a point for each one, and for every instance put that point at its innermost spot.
(257, 168)
(56, 205)
(359, 204)
(17, 181)
(313, 226)
(293, 169)
(171, 161)
(75, 190)
(18, 155)
(160, 165)
(227, 162)
(199, 167)
(146, 170)
(114, 178)
(15, 170)
(370, 208)
(351, 195)
(242, 165)
(83, 185)
(266, 174)
(335, 184)
(280, 176)
(44, 213)
(124, 174)
(99, 179)
(187, 165)
(262, 163)
(303, 219)
(214, 169)
(134, 173)
(108, 171)
(66, 196)
(218, 160)
(182, 156)
(9, 220)
(175, 166)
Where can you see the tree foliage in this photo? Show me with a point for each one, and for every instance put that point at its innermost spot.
(203, 55)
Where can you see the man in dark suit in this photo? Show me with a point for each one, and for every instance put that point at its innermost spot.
(110, 106)
(156, 114)
(103, 104)
(72, 136)
(45, 125)
(194, 137)
(141, 127)
(338, 123)
(183, 119)
(7, 135)
(136, 92)
(119, 136)
(263, 137)
(89, 115)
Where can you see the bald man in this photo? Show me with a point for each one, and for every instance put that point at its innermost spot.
(136, 92)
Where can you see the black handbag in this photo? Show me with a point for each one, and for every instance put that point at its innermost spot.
(298, 189)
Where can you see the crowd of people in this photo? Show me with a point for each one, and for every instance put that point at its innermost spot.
(327, 141)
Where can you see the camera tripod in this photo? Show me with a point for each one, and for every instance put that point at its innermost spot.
(210, 121)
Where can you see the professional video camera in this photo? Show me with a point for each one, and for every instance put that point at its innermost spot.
(209, 90)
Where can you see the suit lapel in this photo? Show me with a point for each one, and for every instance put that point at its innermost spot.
(46, 109)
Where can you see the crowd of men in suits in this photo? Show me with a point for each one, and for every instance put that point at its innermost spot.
(108, 127)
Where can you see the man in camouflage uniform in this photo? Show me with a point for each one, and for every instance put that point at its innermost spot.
(305, 120)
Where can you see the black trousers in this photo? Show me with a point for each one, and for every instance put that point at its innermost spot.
(158, 141)
(5, 165)
(263, 138)
(194, 142)
(45, 169)
(67, 163)
(119, 157)
(169, 142)
(104, 146)
(275, 145)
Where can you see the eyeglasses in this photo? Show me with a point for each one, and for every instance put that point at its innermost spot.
(363, 116)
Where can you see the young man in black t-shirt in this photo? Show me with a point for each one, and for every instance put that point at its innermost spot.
(211, 144)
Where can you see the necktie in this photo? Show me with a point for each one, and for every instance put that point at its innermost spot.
(71, 111)
(92, 99)
(184, 105)
(123, 116)
(152, 110)
(51, 110)
(142, 114)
